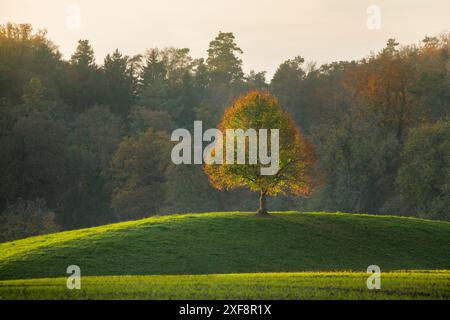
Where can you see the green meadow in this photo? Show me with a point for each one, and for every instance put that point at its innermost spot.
(292, 285)
(235, 255)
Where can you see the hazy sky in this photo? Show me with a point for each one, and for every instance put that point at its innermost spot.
(269, 32)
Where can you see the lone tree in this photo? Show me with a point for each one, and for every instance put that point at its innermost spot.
(259, 110)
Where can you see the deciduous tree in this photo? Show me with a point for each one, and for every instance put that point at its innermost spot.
(256, 111)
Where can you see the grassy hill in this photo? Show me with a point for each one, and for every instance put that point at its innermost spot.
(221, 243)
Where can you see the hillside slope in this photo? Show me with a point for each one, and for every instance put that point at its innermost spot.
(233, 243)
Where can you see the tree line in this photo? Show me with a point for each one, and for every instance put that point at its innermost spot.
(84, 144)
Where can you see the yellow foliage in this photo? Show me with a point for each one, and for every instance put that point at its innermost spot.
(260, 110)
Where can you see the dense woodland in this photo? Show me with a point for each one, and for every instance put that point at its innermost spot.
(84, 143)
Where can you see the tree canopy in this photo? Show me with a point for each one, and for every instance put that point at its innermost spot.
(255, 111)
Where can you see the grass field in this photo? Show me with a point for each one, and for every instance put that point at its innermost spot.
(204, 253)
(299, 285)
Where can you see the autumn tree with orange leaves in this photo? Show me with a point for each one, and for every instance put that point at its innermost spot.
(260, 110)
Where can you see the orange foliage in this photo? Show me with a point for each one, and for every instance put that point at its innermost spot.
(259, 110)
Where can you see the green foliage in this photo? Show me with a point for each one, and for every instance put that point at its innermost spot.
(168, 84)
(83, 57)
(424, 175)
(82, 91)
(358, 114)
(356, 159)
(32, 160)
(256, 111)
(198, 197)
(138, 171)
(142, 118)
(287, 83)
(100, 131)
(223, 64)
(119, 82)
(256, 81)
(25, 219)
(85, 201)
(24, 55)
(34, 91)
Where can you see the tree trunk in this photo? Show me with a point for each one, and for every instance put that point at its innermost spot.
(262, 204)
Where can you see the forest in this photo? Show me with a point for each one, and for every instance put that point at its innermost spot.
(84, 143)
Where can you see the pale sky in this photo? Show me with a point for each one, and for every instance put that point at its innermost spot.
(268, 31)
